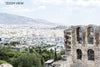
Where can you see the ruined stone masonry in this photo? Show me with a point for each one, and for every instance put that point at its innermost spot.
(82, 44)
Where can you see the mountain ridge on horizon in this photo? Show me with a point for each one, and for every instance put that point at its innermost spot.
(16, 19)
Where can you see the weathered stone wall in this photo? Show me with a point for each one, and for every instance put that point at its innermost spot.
(68, 41)
(84, 46)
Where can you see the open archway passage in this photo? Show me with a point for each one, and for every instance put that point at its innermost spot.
(79, 54)
(79, 36)
(90, 54)
(90, 34)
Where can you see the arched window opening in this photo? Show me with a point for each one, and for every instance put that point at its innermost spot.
(79, 54)
(91, 40)
(79, 35)
(80, 40)
(67, 37)
(90, 54)
(90, 35)
(91, 29)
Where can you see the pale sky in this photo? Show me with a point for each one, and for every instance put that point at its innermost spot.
(66, 12)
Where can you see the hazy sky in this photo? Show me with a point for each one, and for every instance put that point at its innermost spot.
(67, 12)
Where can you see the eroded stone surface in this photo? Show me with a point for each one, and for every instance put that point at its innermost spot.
(87, 40)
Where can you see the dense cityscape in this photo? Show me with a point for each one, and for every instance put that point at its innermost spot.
(49, 33)
(46, 42)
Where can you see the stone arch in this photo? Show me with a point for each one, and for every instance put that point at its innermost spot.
(79, 54)
(79, 35)
(90, 35)
(90, 53)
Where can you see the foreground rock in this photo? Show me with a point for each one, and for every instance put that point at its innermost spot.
(6, 65)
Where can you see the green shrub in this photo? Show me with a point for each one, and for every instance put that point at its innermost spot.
(2, 61)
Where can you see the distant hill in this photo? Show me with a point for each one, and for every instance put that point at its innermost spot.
(60, 27)
(15, 19)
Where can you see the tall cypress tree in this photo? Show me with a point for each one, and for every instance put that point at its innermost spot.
(55, 58)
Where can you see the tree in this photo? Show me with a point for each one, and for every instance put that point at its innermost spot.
(27, 60)
(23, 58)
(62, 52)
(31, 50)
(51, 51)
(14, 43)
(58, 56)
(1, 62)
(7, 54)
(55, 58)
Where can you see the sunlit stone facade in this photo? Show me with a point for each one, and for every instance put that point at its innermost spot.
(82, 44)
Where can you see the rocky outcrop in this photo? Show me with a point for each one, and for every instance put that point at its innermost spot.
(6, 65)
